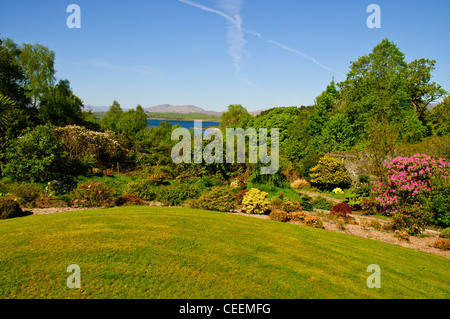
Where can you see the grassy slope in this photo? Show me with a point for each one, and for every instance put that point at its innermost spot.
(143, 252)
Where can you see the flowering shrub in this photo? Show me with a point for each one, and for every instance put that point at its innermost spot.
(407, 179)
(411, 218)
(256, 201)
(338, 191)
(90, 148)
(94, 194)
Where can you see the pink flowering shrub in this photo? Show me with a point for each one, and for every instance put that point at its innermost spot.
(407, 179)
(410, 181)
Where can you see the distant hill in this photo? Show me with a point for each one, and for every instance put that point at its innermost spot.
(181, 109)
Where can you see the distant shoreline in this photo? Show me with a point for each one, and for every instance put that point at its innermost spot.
(174, 116)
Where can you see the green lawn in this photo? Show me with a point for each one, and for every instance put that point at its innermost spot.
(147, 252)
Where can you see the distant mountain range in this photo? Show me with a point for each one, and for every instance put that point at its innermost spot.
(180, 109)
(167, 108)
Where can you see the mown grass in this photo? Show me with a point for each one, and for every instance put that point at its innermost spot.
(159, 252)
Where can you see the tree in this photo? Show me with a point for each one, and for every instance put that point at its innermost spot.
(111, 120)
(38, 63)
(132, 121)
(422, 91)
(6, 104)
(12, 77)
(439, 116)
(60, 106)
(237, 116)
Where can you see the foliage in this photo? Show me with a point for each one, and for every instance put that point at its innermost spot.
(442, 244)
(329, 173)
(129, 200)
(300, 183)
(235, 117)
(63, 185)
(94, 194)
(445, 233)
(338, 191)
(313, 221)
(383, 83)
(439, 201)
(369, 206)
(256, 202)
(401, 235)
(60, 106)
(87, 149)
(320, 202)
(307, 202)
(290, 207)
(408, 180)
(26, 193)
(37, 62)
(411, 218)
(35, 156)
(142, 188)
(440, 117)
(280, 215)
(222, 199)
(9, 208)
(175, 195)
(341, 210)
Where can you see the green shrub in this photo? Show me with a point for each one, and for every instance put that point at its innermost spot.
(440, 202)
(35, 156)
(142, 188)
(276, 203)
(322, 203)
(306, 202)
(445, 233)
(156, 178)
(174, 195)
(256, 202)
(63, 185)
(222, 199)
(94, 194)
(26, 193)
(330, 173)
(9, 208)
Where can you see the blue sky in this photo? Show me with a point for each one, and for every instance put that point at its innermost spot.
(212, 53)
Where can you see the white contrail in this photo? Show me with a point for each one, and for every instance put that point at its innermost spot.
(200, 6)
(236, 37)
(236, 40)
(285, 47)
